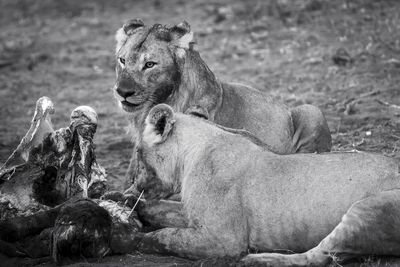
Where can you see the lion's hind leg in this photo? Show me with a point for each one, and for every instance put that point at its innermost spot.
(370, 227)
(311, 131)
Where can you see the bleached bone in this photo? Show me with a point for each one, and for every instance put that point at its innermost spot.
(40, 126)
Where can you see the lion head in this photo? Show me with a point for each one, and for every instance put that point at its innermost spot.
(170, 136)
(147, 62)
(159, 180)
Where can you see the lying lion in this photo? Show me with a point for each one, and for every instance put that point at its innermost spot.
(239, 196)
(158, 64)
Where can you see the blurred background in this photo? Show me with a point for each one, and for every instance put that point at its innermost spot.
(343, 56)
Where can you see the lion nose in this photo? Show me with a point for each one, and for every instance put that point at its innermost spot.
(124, 92)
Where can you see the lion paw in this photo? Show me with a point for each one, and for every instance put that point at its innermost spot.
(274, 260)
(294, 260)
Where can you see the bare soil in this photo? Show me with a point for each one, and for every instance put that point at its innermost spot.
(342, 56)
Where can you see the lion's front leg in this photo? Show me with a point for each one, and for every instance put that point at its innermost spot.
(370, 227)
(133, 168)
(188, 242)
(162, 213)
(310, 258)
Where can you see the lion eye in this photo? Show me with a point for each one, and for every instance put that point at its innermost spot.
(149, 64)
(122, 60)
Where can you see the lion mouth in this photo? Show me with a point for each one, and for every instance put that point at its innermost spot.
(129, 106)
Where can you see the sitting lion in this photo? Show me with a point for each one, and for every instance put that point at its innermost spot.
(239, 196)
(158, 64)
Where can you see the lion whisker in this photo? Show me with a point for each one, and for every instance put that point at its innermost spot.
(134, 206)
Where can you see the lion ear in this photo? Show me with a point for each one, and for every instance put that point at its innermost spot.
(127, 29)
(181, 35)
(158, 124)
(132, 25)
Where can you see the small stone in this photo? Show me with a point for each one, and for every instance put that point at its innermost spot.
(342, 58)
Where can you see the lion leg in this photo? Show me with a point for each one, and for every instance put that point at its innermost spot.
(368, 228)
(131, 173)
(311, 131)
(162, 213)
(309, 258)
(189, 243)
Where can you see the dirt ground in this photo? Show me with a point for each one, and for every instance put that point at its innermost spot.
(342, 56)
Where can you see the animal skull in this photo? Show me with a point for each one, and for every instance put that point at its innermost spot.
(50, 166)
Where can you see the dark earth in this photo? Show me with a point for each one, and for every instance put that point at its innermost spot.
(342, 56)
